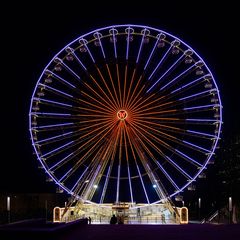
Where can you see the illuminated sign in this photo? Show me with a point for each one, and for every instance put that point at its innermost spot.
(122, 114)
(183, 215)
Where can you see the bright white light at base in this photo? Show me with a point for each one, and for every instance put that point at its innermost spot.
(8, 203)
(230, 203)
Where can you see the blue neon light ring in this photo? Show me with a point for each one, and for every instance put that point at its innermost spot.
(171, 124)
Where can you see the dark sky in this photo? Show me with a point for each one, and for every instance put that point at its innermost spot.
(36, 33)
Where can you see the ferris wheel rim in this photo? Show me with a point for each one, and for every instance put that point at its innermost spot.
(111, 27)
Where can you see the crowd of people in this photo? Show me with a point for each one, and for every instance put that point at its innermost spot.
(116, 220)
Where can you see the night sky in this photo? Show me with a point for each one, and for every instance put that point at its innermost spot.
(36, 34)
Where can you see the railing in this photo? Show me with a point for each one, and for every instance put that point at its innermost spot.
(135, 220)
(210, 217)
(150, 220)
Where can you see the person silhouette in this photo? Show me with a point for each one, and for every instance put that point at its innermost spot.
(89, 220)
(163, 218)
(120, 220)
(113, 219)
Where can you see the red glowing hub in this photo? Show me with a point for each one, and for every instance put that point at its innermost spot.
(122, 114)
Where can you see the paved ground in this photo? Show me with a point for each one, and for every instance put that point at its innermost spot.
(131, 232)
(150, 232)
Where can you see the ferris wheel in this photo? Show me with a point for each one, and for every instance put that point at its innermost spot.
(125, 113)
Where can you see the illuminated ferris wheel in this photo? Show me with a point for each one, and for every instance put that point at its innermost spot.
(125, 113)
